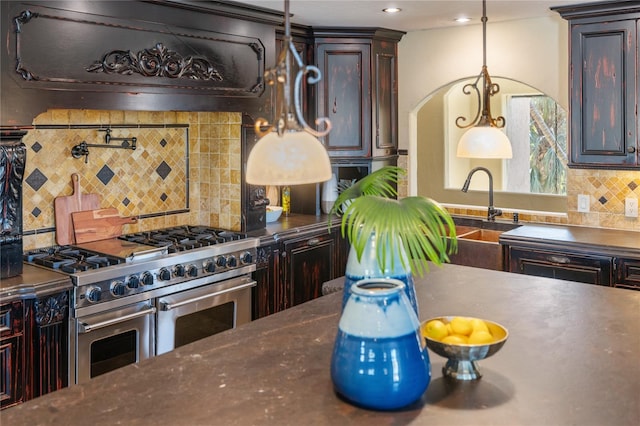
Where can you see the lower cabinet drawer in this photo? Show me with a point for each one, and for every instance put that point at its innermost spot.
(566, 266)
(628, 275)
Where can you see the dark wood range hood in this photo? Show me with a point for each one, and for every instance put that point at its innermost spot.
(134, 55)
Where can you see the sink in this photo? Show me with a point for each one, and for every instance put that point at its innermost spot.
(487, 235)
(463, 230)
(478, 243)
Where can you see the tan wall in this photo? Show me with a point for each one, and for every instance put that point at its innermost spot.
(208, 174)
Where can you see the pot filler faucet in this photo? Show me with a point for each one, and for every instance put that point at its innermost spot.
(492, 212)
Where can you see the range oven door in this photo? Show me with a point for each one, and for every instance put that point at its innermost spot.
(112, 339)
(202, 312)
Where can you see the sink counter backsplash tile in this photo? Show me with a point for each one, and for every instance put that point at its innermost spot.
(607, 190)
(185, 168)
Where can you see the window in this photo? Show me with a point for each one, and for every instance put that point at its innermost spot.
(537, 129)
(534, 179)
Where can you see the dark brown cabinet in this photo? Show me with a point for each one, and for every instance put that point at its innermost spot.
(627, 273)
(34, 342)
(604, 86)
(606, 257)
(358, 92)
(309, 261)
(291, 271)
(46, 344)
(587, 268)
(11, 354)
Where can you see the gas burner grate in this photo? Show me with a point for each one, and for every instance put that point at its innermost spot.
(69, 259)
(184, 238)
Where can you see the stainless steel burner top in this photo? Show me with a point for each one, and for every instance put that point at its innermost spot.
(149, 264)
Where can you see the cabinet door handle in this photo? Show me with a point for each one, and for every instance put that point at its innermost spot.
(559, 259)
(631, 149)
(313, 242)
(84, 327)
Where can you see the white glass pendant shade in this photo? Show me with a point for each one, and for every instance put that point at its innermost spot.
(484, 142)
(295, 158)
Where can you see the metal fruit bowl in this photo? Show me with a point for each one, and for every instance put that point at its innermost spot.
(462, 358)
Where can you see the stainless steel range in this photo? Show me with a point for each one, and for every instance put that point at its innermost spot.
(146, 293)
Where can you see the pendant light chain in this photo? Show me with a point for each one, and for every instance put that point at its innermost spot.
(483, 114)
(289, 113)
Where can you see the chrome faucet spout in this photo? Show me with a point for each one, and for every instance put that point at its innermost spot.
(492, 212)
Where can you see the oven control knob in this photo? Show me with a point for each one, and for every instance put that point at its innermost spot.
(192, 270)
(164, 274)
(147, 278)
(118, 288)
(133, 282)
(221, 261)
(93, 294)
(232, 262)
(210, 266)
(246, 258)
(179, 270)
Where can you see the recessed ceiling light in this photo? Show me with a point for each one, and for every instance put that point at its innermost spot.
(391, 10)
(462, 20)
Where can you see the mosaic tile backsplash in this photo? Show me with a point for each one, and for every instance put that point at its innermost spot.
(185, 168)
(607, 190)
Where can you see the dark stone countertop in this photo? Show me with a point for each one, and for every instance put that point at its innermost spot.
(600, 240)
(571, 358)
(292, 225)
(33, 282)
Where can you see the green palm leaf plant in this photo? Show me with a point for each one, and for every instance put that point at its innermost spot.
(420, 224)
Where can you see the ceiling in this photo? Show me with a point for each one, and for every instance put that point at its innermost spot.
(415, 15)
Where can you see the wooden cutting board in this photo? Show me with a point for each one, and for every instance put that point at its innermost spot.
(64, 206)
(99, 224)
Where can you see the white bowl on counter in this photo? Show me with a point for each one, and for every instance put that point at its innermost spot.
(273, 213)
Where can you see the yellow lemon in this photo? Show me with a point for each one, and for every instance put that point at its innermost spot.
(480, 338)
(449, 329)
(455, 339)
(461, 325)
(435, 329)
(479, 325)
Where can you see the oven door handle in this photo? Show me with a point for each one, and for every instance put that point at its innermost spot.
(166, 306)
(84, 327)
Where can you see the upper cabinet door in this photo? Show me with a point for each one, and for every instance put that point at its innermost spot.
(385, 105)
(604, 121)
(344, 97)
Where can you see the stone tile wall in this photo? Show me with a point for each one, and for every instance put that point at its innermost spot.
(186, 168)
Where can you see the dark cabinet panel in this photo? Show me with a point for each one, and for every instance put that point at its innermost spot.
(628, 273)
(603, 102)
(292, 270)
(585, 268)
(11, 354)
(359, 90)
(344, 98)
(11, 384)
(269, 296)
(385, 105)
(47, 344)
(604, 85)
(309, 263)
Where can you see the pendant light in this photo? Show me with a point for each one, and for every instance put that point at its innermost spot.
(484, 139)
(288, 152)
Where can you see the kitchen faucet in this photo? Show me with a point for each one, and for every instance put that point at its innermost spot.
(492, 212)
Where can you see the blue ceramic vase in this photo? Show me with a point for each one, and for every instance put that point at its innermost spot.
(368, 267)
(379, 359)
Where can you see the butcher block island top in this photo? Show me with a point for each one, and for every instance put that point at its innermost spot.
(571, 358)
